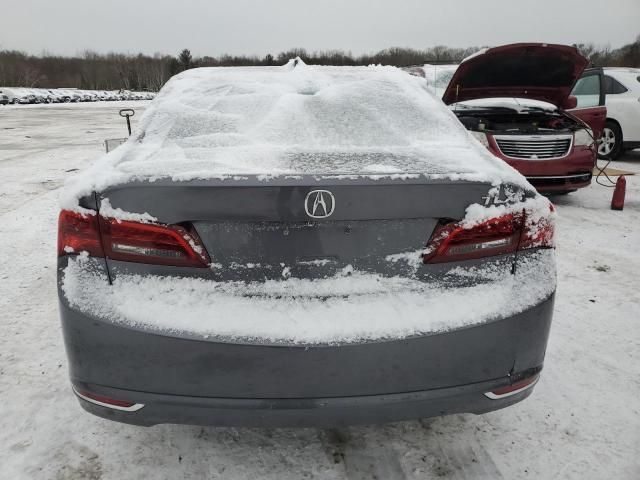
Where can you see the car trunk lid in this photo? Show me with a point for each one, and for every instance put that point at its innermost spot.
(301, 227)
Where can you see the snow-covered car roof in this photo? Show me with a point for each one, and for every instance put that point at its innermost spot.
(304, 120)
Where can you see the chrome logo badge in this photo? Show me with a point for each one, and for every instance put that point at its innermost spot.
(319, 203)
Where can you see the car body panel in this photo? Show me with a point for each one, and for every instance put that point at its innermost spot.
(590, 97)
(625, 107)
(303, 412)
(555, 175)
(595, 117)
(105, 353)
(566, 172)
(543, 72)
(263, 223)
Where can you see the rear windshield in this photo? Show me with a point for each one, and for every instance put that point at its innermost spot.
(307, 120)
(315, 107)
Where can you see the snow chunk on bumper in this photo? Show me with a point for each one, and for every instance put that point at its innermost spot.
(341, 309)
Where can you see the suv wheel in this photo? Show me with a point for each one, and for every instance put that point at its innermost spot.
(610, 146)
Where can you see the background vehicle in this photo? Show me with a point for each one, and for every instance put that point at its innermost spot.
(515, 99)
(4, 99)
(28, 97)
(334, 242)
(61, 95)
(65, 95)
(619, 90)
(45, 96)
(12, 94)
(74, 94)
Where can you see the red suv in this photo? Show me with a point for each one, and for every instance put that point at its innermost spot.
(515, 99)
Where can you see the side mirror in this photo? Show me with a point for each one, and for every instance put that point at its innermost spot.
(569, 103)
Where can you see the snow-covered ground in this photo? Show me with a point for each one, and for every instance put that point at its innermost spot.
(582, 421)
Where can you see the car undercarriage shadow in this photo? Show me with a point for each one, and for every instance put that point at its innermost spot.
(443, 447)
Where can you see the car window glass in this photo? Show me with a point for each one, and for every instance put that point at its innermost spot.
(587, 91)
(613, 86)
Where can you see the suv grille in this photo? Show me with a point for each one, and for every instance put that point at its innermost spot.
(534, 147)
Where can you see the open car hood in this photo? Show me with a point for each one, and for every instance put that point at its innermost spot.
(538, 71)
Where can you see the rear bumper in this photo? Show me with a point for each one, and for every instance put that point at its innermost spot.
(560, 183)
(305, 412)
(190, 381)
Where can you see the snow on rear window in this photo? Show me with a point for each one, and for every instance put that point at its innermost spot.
(224, 122)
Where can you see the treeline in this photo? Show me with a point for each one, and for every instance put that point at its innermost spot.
(91, 71)
(114, 71)
(626, 56)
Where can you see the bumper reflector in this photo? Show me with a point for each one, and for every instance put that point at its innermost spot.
(520, 386)
(108, 402)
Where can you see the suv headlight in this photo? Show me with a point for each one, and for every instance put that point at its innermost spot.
(481, 137)
(584, 137)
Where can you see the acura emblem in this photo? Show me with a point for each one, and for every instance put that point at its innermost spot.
(319, 203)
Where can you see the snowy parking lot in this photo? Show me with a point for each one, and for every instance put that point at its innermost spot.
(582, 421)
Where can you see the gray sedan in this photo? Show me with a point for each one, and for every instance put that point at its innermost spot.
(298, 245)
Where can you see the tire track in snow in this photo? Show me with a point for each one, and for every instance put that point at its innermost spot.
(362, 460)
(468, 461)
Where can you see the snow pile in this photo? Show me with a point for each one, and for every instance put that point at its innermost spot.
(348, 307)
(538, 209)
(315, 120)
(107, 211)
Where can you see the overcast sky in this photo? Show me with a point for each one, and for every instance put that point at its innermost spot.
(210, 27)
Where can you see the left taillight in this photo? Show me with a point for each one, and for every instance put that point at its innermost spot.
(454, 241)
(158, 244)
(79, 232)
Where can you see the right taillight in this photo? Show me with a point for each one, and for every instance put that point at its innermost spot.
(538, 231)
(455, 241)
(127, 241)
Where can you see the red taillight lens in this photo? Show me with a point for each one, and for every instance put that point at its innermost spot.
(109, 402)
(78, 232)
(151, 243)
(538, 233)
(514, 388)
(496, 236)
(130, 241)
(103, 399)
(454, 242)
